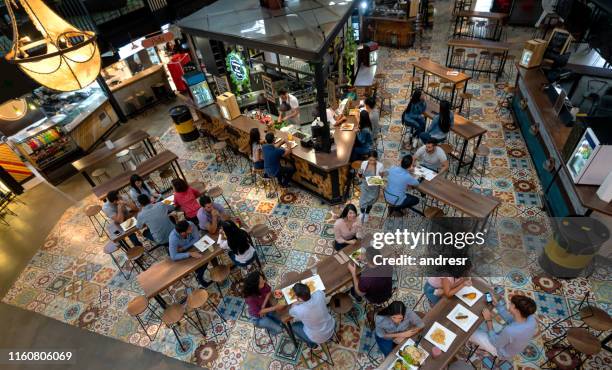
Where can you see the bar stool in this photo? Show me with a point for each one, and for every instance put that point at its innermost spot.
(509, 67)
(580, 340)
(131, 105)
(271, 186)
(263, 236)
(216, 192)
(596, 318)
(157, 144)
(381, 80)
(218, 274)
(93, 214)
(496, 61)
(471, 26)
(471, 59)
(457, 57)
(467, 98)
(196, 300)
(480, 25)
(342, 304)
(172, 316)
(137, 307)
(354, 179)
(412, 81)
(483, 59)
(324, 351)
(125, 159)
(447, 88)
(383, 109)
(110, 248)
(258, 174)
(139, 152)
(222, 156)
(245, 150)
(480, 163)
(433, 88)
(448, 150)
(99, 175)
(134, 256)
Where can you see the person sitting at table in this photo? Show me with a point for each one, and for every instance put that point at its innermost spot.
(257, 294)
(138, 186)
(155, 217)
(399, 179)
(210, 215)
(118, 210)
(347, 228)
(436, 287)
(430, 155)
(314, 323)
(369, 194)
(440, 124)
(517, 333)
(363, 140)
(375, 282)
(413, 114)
(186, 198)
(182, 238)
(255, 145)
(239, 245)
(333, 117)
(272, 160)
(394, 324)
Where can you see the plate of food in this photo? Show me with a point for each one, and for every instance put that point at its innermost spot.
(169, 200)
(400, 365)
(440, 336)
(469, 295)
(347, 126)
(412, 355)
(462, 317)
(357, 257)
(375, 181)
(313, 283)
(292, 144)
(278, 294)
(128, 224)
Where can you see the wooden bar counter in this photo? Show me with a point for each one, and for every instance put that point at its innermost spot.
(325, 174)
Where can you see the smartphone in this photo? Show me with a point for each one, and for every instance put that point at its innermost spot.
(489, 297)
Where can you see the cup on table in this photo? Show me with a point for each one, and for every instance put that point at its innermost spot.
(435, 352)
(313, 270)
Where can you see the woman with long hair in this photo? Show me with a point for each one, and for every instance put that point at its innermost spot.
(139, 186)
(257, 294)
(347, 228)
(364, 139)
(186, 198)
(413, 114)
(369, 194)
(440, 124)
(239, 244)
(395, 323)
(255, 145)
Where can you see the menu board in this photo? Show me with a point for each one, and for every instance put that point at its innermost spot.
(558, 41)
(268, 88)
(222, 84)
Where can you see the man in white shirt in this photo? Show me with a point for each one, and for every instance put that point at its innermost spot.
(293, 114)
(315, 325)
(432, 156)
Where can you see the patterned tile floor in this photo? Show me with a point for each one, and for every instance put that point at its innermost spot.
(70, 279)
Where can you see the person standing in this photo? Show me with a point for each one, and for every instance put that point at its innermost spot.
(290, 108)
(272, 161)
(186, 198)
(399, 179)
(369, 194)
(314, 323)
(182, 238)
(370, 105)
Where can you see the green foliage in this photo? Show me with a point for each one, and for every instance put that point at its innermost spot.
(350, 52)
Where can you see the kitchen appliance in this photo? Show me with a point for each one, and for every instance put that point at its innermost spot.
(533, 53)
(589, 163)
(198, 88)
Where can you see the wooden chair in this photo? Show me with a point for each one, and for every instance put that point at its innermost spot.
(218, 275)
(263, 236)
(99, 175)
(110, 248)
(93, 213)
(139, 306)
(342, 304)
(197, 300)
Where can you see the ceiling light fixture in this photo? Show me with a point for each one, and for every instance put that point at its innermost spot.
(64, 59)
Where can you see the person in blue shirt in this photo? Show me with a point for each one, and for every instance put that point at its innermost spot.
(155, 217)
(363, 140)
(182, 238)
(515, 336)
(272, 160)
(413, 114)
(398, 181)
(440, 124)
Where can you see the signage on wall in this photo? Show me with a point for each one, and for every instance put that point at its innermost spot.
(222, 84)
(268, 88)
(158, 39)
(239, 72)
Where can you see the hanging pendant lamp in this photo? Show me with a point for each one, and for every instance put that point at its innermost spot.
(64, 59)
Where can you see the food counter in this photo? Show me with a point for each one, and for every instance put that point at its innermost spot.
(325, 174)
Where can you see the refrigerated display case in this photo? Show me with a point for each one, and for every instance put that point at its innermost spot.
(589, 163)
(198, 89)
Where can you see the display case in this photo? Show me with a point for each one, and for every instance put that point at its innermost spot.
(45, 145)
(589, 164)
(198, 89)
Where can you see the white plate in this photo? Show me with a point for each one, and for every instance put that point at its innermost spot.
(347, 126)
(204, 243)
(318, 285)
(466, 290)
(355, 260)
(128, 224)
(169, 200)
(409, 343)
(370, 178)
(293, 145)
(448, 338)
(425, 172)
(464, 324)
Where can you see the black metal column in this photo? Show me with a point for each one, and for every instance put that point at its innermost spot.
(111, 99)
(320, 85)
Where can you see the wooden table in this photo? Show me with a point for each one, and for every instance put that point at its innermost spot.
(438, 313)
(493, 46)
(463, 17)
(143, 169)
(164, 274)
(99, 155)
(427, 66)
(465, 129)
(385, 28)
(459, 197)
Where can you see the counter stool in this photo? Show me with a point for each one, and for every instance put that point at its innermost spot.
(470, 59)
(218, 274)
(135, 255)
(580, 340)
(157, 144)
(222, 156)
(216, 192)
(110, 248)
(433, 88)
(137, 307)
(263, 236)
(196, 300)
(467, 98)
(271, 186)
(457, 57)
(131, 105)
(139, 152)
(125, 159)
(93, 214)
(480, 163)
(412, 80)
(166, 176)
(172, 316)
(99, 175)
(483, 60)
(323, 357)
(342, 304)
(387, 109)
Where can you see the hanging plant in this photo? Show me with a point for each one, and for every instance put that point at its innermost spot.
(239, 71)
(350, 52)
